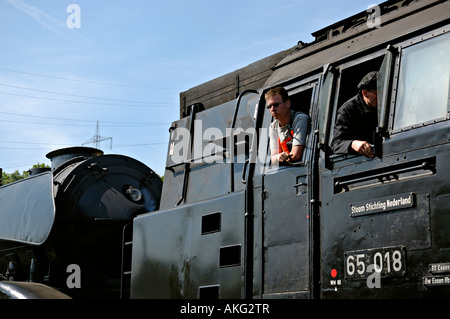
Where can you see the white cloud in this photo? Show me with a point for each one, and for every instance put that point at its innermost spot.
(46, 20)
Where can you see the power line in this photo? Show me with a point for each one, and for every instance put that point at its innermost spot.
(45, 117)
(89, 82)
(15, 164)
(113, 123)
(40, 123)
(54, 144)
(25, 148)
(33, 143)
(124, 124)
(86, 102)
(75, 95)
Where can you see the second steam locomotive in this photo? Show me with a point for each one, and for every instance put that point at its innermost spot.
(71, 219)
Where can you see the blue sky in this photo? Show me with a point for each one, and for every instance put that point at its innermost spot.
(126, 63)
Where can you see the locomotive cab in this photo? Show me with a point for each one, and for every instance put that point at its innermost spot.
(332, 225)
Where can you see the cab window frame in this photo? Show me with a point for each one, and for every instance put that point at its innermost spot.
(295, 89)
(343, 91)
(338, 99)
(394, 92)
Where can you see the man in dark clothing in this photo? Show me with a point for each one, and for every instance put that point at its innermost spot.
(356, 120)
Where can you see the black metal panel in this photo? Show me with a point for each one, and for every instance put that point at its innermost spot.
(418, 226)
(227, 87)
(203, 160)
(286, 233)
(93, 207)
(174, 258)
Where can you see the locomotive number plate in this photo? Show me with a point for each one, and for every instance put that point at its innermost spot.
(386, 261)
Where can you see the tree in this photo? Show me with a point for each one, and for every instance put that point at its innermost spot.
(15, 176)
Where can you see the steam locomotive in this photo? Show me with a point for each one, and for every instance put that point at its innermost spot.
(228, 223)
(72, 216)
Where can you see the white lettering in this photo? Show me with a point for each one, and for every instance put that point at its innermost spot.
(73, 20)
(208, 146)
(74, 279)
(246, 308)
(197, 309)
(198, 141)
(180, 149)
(212, 148)
(398, 202)
(430, 281)
(358, 209)
(374, 20)
(373, 280)
(376, 206)
(383, 204)
(443, 267)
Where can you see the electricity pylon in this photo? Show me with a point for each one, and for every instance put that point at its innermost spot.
(96, 139)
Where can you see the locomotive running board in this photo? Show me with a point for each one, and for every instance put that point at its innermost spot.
(27, 209)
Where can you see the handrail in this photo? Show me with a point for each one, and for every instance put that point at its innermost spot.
(187, 165)
(231, 138)
(425, 165)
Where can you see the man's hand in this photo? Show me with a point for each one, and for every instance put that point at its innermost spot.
(295, 155)
(363, 148)
(284, 157)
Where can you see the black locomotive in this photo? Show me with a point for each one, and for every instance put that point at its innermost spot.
(232, 225)
(228, 223)
(71, 219)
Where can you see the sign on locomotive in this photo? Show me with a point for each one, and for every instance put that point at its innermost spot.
(231, 220)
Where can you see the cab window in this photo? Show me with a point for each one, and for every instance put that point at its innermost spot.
(301, 99)
(350, 75)
(423, 83)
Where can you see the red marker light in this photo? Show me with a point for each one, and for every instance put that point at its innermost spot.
(333, 273)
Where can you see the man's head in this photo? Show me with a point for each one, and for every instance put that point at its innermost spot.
(278, 91)
(278, 103)
(368, 88)
(369, 81)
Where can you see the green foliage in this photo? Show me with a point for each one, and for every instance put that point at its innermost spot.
(15, 176)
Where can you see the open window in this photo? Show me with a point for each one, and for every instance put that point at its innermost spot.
(350, 76)
(340, 85)
(301, 98)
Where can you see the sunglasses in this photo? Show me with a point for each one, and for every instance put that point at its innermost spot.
(274, 105)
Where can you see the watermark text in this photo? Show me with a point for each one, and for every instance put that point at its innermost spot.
(73, 21)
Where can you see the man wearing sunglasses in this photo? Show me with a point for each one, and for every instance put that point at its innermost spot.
(289, 129)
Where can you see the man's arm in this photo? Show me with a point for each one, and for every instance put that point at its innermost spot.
(296, 153)
(301, 128)
(277, 157)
